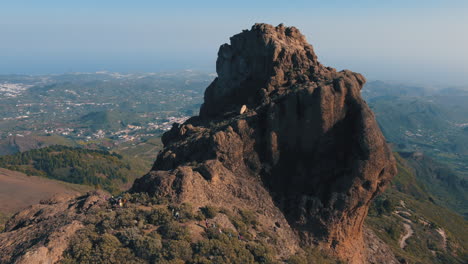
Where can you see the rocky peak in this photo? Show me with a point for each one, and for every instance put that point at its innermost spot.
(257, 63)
(283, 135)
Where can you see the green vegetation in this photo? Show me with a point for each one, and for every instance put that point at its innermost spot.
(312, 255)
(75, 165)
(90, 108)
(108, 120)
(446, 187)
(419, 119)
(409, 201)
(209, 211)
(149, 230)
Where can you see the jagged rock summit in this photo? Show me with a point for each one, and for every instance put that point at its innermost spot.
(256, 64)
(283, 135)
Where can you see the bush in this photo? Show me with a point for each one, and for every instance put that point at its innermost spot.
(209, 211)
(249, 217)
(381, 206)
(314, 255)
(128, 236)
(160, 216)
(393, 231)
(178, 249)
(261, 253)
(297, 259)
(174, 231)
(89, 247)
(125, 218)
(185, 211)
(221, 251)
(148, 247)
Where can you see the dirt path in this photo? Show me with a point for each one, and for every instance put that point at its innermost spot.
(444, 237)
(408, 233)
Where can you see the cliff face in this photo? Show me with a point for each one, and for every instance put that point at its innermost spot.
(284, 135)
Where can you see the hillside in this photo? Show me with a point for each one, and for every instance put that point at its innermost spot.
(418, 229)
(103, 120)
(425, 120)
(447, 188)
(18, 191)
(74, 165)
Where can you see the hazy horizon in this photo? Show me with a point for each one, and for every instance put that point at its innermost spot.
(418, 42)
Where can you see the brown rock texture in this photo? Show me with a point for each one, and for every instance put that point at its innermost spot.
(283, 135)
(41, 233)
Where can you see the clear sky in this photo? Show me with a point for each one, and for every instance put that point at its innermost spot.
(422, 41)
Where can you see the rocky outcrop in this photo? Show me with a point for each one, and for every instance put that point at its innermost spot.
(41, 233)
(283, 135)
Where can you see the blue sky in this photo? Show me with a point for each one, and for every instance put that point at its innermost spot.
(412, 41)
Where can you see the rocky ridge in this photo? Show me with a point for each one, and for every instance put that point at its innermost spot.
(281, 133)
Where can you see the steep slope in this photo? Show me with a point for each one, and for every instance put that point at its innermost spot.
(447, 187)
(280, 132)
(417, 229)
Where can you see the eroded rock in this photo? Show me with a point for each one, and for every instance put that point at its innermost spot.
(308, 154)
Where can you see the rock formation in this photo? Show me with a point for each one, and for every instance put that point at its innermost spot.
(41, 233)
(284, 135)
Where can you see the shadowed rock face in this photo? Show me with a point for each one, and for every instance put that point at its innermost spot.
(280, 133)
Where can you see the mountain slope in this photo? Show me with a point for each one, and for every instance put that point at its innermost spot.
(417, 229)
(424, 120)
(446, 187)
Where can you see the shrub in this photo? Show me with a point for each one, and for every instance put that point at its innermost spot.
(185, 211)
(160, 216)
(314, 255)
(106, 247)
(148, 247)
(392, 231)
(209, 211)
(297, 259)
(141, 198)
(128, 236)
(89, 247)
(381, 206)
(221, 251)
(178, 249)
(261, 253)
(174, 231)
(249, 217)
(125, 218)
